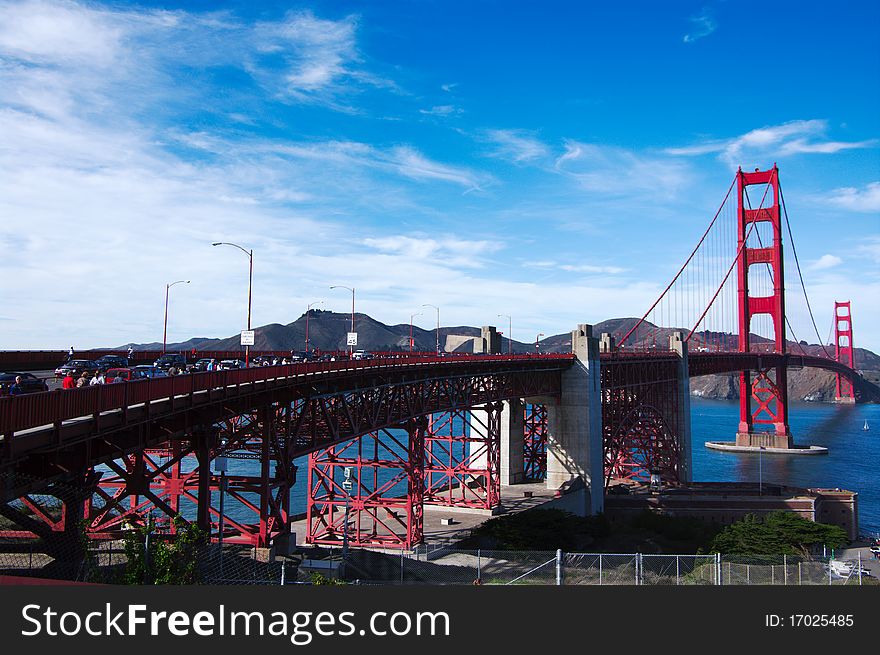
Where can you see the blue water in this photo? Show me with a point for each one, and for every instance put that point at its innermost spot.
(852, 462)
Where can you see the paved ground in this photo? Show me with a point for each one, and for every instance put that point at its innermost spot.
(869, 562)
(513, 499)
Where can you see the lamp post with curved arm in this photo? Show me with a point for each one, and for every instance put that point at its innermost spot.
(308, 311)
(509, 332)
(411, 317)
(438, 324)
(165, 330)
(341, 286)
(537, 337)
(250, 254)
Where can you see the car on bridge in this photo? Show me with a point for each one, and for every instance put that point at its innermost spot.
(361, 354)
(134, 373)
(76, 367)
(202, 364)
(168, 360)
(229, 364)
(29, 383)
(111, 361)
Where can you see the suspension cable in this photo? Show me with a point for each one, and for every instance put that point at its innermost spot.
(800, 275)
(677, 275)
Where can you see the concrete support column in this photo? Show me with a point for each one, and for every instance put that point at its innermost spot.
(489, 341)
(513, 435)
(574, 425)
(683, 428)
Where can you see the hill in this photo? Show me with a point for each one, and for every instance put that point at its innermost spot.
(328, 330)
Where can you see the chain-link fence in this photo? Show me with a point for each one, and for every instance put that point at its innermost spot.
(461, 567)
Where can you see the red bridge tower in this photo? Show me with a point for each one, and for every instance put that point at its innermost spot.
(768, 393)
(843, 350)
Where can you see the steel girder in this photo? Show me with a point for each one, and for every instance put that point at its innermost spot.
(384, 504)
(535, 442)
(640, 406)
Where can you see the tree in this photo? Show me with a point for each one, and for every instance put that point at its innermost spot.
(154, 560)
(776, 533)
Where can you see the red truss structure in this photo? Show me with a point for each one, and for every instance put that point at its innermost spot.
(162, 483)
(769, 387)
(385, 503)
(640, 417)
(843, 350)
(535, 443)
(462, 458)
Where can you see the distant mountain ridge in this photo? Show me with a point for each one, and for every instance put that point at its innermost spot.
(328, 331)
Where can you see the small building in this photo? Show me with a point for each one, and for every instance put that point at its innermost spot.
(724, 503)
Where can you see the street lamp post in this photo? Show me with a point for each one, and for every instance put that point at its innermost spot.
(165, 331)
(509, 332)
(411, 316)
(537, 338)
(341, 286)
(438, 324)
(308, 311)
(250, 254)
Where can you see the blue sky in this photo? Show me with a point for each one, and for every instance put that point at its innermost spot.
(555, 162)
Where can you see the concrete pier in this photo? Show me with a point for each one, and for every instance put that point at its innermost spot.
(574, 424)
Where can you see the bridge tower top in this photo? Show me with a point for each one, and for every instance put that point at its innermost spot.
(767, 255)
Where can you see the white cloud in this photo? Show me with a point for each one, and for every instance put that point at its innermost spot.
(411, 163)
(588, 268)
(702, 25)
(59, 33)
(866, 199)
(442, 110)
(516, 145)
(794, 137)
(617, 171)
(826, 262)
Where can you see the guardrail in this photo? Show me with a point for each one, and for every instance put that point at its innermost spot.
(24, 412)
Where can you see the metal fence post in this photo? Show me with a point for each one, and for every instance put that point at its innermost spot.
(677, 571)
(283, 568)
(718, 568)
(638, 567)
(800, 580)
(860, 568)
(558, 566)
(479, 572)
(401, 567)
(785, 570)
(600, 569)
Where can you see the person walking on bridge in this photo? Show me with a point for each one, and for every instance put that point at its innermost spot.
(70, 354)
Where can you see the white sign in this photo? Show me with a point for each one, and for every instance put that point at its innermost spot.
(352, 339)
(247, 337)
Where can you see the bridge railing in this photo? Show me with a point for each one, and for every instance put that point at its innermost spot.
(24, 412)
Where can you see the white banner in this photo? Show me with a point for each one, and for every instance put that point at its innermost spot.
(247, 337)
(352, 339)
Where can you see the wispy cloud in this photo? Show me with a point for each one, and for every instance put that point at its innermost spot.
(825, 262)
(515, 145)
(442, 110)
(702, 25)
(866, 199)
(577, 268)
(794, 137)
(615, 171)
